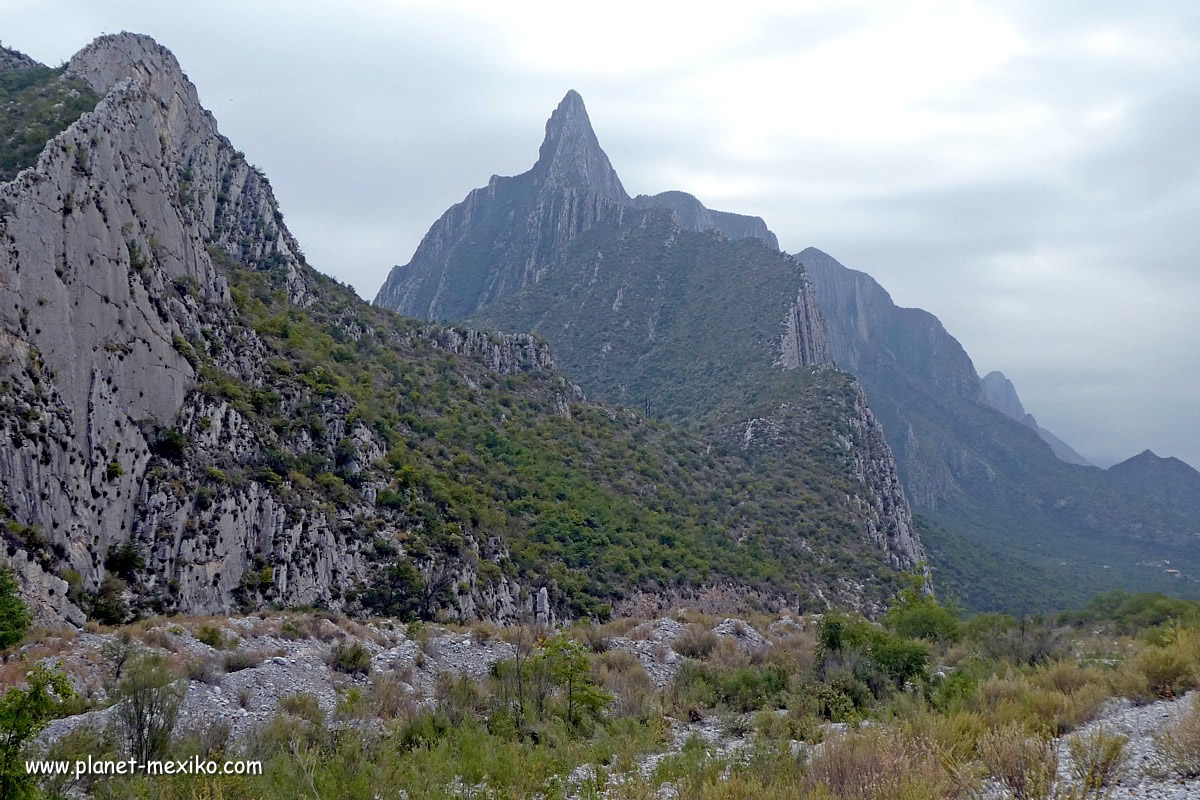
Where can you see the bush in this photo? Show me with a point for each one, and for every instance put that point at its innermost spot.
(1028, 640)
(792, 725)
(169, 443)
(1027, 766)
(390, 697)
(1168, 672)
(1097, 761)
(458, 698)
(916, 615)
(882, 765)
(291, 631)
(210, 635)
(1179, 745)
(238, 660)
(850, 646)
(595, 637)
(303, 705)
(203, 670)
(699, 687)
(621, 675)
(353, 658)
(25, 713)
(696, 641)
(108, 607)
(147, 706)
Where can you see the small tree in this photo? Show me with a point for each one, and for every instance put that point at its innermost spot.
(107, 607)
(570, 669)
(14, 616)
(916, 614)
(24, 713)
(117, 653)
(148, 702)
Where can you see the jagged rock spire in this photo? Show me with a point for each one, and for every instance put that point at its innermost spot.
(571, 156)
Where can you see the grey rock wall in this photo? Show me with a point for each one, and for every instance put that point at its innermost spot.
(111, 287)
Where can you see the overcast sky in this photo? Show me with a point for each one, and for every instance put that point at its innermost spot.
(1031, 176)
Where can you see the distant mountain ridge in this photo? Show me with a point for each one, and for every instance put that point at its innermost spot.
(983, 477)
(664, 306)
(1001, 395)
(1169, 481)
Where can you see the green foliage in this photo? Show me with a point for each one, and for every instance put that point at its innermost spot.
(210, 635)
(591, 501)
(113, 471)
(124, 561)
(107, 605)
(400, 591)
(1129, 613)
(351, 658)
(36, 104)
(1025, 640)
(569, 668)
(169, 443)
(24, 713)
(873, 653)
(148, 699)
(14, 616)
(1098, 761)
(748, 688)
(916, 614)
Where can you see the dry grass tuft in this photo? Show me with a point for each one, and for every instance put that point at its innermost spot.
(621, 674)
(1179, 745)
(883, 765)
(1098, 761)
(696, 641)
(1027, 766)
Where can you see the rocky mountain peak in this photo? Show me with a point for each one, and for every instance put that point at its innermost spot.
(113, 58)
(1002, 395)
(570, 155)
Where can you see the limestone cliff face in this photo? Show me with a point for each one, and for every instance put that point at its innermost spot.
(804, 341)
(505, 236)
(979, 469)
(11, 59)
(502, 236)
(868, 332)
(111, 304)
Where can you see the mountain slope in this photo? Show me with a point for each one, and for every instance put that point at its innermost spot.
(680, 312)
(991, 492)
(36, 104)
(1168, 481)
(1000, 394)
(198, 421)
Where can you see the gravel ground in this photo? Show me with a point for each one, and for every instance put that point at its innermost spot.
(247, 698)
(1144, 778)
